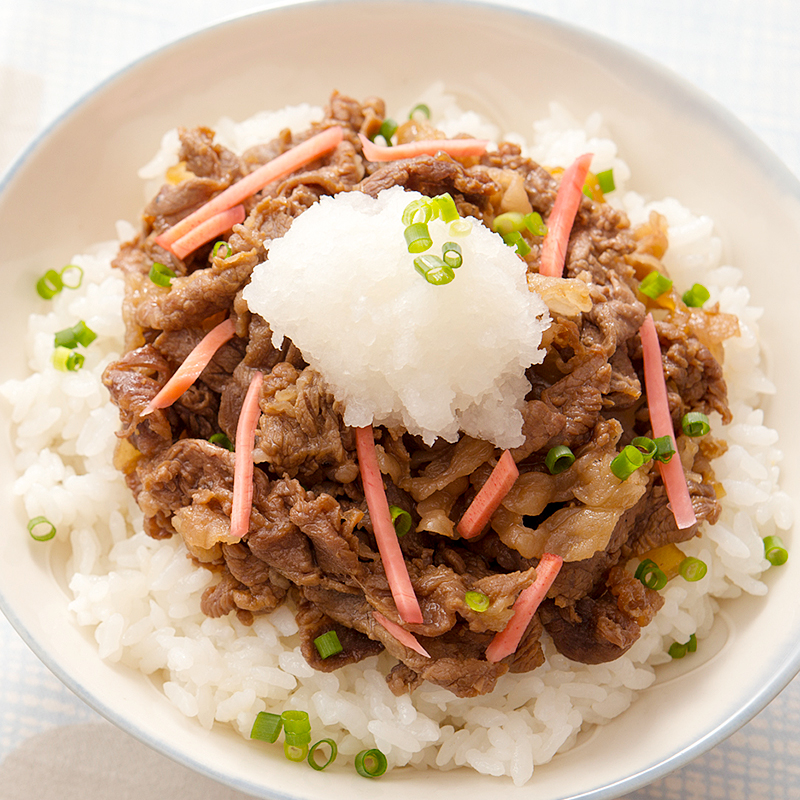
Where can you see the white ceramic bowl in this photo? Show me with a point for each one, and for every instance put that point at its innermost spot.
(81, 177)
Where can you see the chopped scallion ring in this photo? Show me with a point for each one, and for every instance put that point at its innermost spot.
(37, 523)
(692, 569)
(420, 109)
(420, 210)
(401, 520)
(664, 449)
(295, 752)
(678, 650)
(434, 270)
(696, 296)
(328, 644)
(514, 239)
(296, 722)
(655, 284)
(651, 575)
(218, 246)
(312, 757)
(371, 763)
(49, 285)
(67, 360)
(535, 224)
(461, 227)
(695, 423)
(627, 462)
(605, 180)
(451, 255)
(79, 333)
(477, 601)
(646, 446)
(508, 223)
(446, 207)
(388, 129)
(266, 727)
(774, 551)
(161, 274)
(559, 459)
(222, 440)
(418, 238)
(71, 268)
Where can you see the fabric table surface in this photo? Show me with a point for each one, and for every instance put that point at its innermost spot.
(745, 55)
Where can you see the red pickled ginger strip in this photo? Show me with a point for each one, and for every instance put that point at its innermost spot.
(207, 230)
(401, 634)
(243, 460)
(661, 422)
(188, 372)
(457, 148)
(562, 217)
(279, 167)
(488, 499)
(385, 535)
(506, 641)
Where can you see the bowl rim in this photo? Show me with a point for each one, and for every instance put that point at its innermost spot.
(701, 103)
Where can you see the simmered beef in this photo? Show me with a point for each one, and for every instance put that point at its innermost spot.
(310, 540)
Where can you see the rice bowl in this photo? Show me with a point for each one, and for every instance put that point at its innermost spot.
(110, 642)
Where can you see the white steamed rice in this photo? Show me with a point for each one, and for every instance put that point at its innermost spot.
(141, 597)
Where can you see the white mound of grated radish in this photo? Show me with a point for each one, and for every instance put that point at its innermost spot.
(393, 348)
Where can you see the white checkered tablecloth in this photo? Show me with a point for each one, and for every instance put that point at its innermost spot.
(744, 54)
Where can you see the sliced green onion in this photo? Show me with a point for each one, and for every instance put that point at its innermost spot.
(664, 448)
(420, 108)
(696, 296)
(37, 522)
(535, 224)
(371, 763)
(508, 223)
(67, 360)
(651, 575)
(605, 180)
(678, 650)
(79, 333)
(646, 446)
(418, 238)
(774, 551)
(627, 462)
(461, 227)
(514, 239)
(477, 601)
(692, 569)
(655, 284)
(401, 520)
(69, 268)
(49, 285)
(302, 739)
(451, 255)
(161, 274)
(221, 440)
(218, 246)
(295, 752)
(420, 210)
(328, 644)
(388, 129)
(434, 270)
(446, 207)
(587, 190)
(312, 754)
(559, 459)
(695, 423)
(266, 727)
(295, 722)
